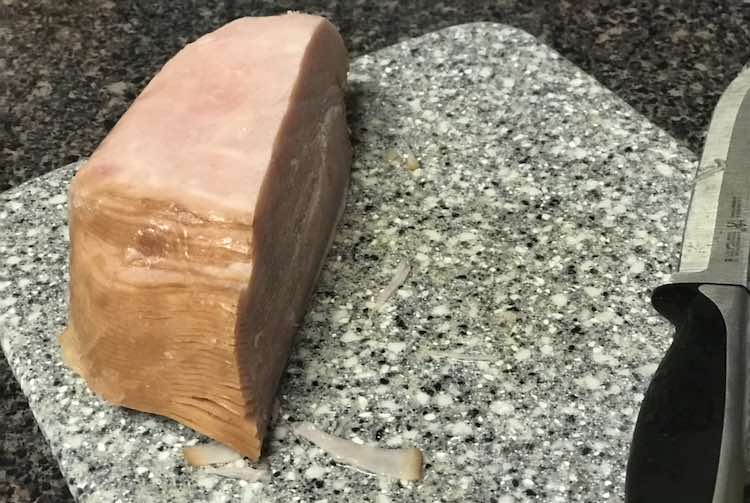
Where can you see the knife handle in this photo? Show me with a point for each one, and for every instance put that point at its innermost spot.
(688, 444)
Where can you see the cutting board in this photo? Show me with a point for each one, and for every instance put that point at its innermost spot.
(536, 211)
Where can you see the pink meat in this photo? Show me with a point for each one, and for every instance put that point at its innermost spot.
(200, 223)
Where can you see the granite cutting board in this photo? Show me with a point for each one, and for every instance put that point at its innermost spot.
(543, 211)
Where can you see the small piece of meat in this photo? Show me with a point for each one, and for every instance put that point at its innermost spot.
(199, 225)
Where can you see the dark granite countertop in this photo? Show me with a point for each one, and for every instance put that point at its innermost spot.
(69, 69)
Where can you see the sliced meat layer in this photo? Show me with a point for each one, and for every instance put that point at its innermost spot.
(200, 223)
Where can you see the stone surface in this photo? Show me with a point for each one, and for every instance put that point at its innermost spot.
(515, 355)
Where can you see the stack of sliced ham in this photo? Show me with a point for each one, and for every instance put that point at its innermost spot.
(199, 225)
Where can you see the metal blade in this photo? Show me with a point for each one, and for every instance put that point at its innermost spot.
(716, 244)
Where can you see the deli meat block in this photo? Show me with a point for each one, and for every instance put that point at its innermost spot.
(199, 225)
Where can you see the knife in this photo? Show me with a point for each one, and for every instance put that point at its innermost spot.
(689, 440)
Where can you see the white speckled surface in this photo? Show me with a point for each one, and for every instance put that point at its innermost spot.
(544, 211)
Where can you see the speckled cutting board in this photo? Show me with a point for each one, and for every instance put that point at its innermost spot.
(516, 353)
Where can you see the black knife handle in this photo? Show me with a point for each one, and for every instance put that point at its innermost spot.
(688, 442)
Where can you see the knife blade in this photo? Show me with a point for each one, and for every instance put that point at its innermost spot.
(689, 440)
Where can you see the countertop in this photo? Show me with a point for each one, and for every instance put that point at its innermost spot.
(69, 69)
